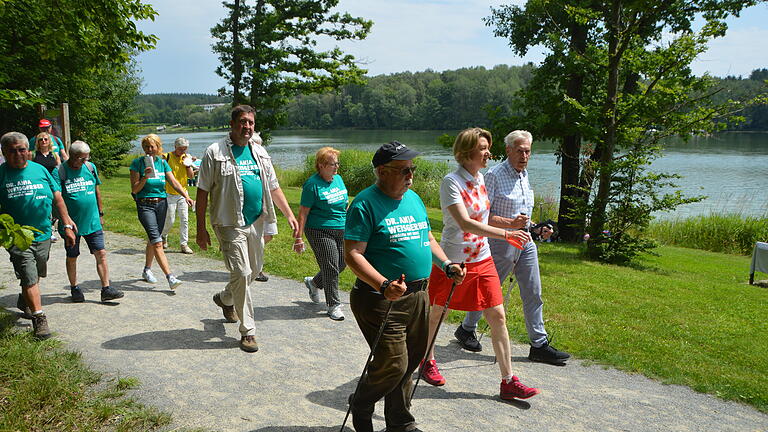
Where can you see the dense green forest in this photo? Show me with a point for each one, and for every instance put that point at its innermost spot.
(414, 100)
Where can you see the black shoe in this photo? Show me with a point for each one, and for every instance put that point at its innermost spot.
(548, 354)
(110, 293)
(26, 312)
(261, 277)
(77, 294)
(467, 339)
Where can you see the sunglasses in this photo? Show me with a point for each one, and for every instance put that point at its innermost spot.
(403, 171)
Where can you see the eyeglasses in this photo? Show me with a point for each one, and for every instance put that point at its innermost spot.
(403, 171)
(335, 164)
(84, 158)
(16, 150)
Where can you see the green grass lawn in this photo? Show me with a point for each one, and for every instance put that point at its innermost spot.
(685, 317)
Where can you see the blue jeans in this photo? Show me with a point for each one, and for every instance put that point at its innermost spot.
(152, 218)
(525, 265)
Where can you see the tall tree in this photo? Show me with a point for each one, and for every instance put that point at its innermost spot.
(608, 63)
(268, 52)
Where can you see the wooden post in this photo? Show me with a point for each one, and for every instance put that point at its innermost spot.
(65, 125)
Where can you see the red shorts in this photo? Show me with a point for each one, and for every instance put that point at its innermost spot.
(480, 290)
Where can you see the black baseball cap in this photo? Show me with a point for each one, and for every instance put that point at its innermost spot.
(393, 150)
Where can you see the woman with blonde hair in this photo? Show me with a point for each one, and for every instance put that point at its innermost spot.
(44, 153)
(149, 175)
(465, 205)
(322, 216)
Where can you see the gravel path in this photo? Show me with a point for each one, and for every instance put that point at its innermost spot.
(188, 362)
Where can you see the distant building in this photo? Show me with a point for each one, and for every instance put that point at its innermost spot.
(211, 107)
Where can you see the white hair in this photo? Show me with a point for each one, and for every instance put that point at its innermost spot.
(79, 147)
(12, 138)
(181, 142)
(517, 135)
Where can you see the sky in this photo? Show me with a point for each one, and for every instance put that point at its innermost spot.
(407, 35)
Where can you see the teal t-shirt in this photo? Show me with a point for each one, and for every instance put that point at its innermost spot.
(397, 233)
(155, 187)
(253, 193)
(27, 195)
(56, 144)
(79, 193)
(327, 202)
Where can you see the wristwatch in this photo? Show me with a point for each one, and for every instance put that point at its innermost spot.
(384, 286)
(69, 227)
(101, 213)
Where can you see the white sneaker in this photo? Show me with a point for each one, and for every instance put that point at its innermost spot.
(314, 295)
(173, 281)
(335, 313)
(54, 238)
(148, 276)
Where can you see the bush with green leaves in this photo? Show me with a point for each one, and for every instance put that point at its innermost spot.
(13, 234)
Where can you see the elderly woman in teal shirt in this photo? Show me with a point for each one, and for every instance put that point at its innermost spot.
(149, 174)
(322, 216)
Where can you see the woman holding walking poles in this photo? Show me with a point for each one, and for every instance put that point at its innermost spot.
(322, 215)
(465, 205)
(149, 175)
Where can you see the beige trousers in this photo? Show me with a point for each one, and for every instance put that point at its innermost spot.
(243, 250)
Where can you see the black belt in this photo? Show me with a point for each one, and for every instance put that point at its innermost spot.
(150, 200)
(413, 286)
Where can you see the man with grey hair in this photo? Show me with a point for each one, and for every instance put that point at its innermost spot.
(511, 199)
(28, 194)
(181, 164)
(79, 181)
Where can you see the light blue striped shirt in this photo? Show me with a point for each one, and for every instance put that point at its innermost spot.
(509, 191)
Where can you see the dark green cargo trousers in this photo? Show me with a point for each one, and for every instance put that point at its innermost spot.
(401, 348)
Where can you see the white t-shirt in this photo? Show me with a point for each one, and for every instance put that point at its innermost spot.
(459, 187)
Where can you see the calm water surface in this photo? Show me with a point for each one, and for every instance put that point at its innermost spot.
(731, 169)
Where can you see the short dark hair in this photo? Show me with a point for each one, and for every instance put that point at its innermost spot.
(240, 110)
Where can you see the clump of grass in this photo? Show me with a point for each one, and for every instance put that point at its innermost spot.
(357, 172)
(728, 233)
(43, 387)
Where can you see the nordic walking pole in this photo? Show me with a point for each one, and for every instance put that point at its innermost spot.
(434, 337)
(370, 356)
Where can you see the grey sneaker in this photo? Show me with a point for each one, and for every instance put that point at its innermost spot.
(77, 294)
(148, 276)
(40, 326)
(173, 281)
(335, 313)
(314, 295)
(109, 293)
(185, 249)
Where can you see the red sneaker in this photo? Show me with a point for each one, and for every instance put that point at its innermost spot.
(516, 390)
(431, 374)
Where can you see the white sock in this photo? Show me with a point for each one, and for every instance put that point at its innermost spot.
(507, 379)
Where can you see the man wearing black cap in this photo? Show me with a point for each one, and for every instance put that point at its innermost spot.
(389, 247)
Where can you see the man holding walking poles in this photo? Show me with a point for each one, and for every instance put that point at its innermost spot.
(389, 247)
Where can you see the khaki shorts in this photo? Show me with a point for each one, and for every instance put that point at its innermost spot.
(32, 264)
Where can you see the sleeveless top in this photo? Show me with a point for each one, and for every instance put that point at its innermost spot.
(49, 162)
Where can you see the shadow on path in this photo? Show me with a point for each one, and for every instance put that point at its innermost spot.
(213, 336)
(304, 428)
(301, 311)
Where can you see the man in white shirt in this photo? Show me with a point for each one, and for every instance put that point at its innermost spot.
(511, 199)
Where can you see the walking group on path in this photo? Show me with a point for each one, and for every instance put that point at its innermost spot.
(406, 280)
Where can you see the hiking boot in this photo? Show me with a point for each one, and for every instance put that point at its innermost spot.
(230, 315)
(548, 354)
(335, 313)
(431, 374)
(261, 277)
(185, 249)
(40, 326)
(148, 276)
(109, 293)
(516, 390)
(248, 344)
(467, 339)
(314, 295)
(26, 312)
(173, 281)
(77, 294)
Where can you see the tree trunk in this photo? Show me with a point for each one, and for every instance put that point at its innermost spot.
(237, 62)
(597, 222)
(571, 226)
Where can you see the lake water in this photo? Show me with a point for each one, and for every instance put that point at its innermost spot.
(731, 168)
